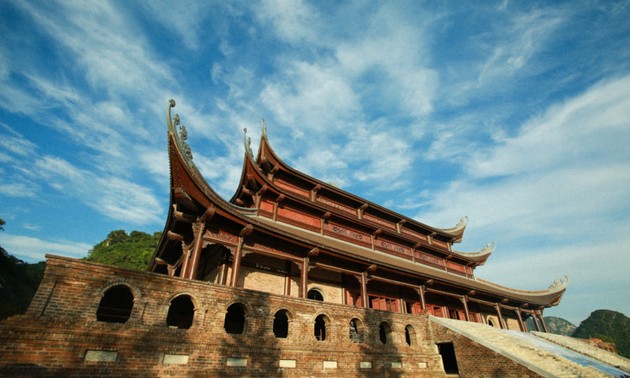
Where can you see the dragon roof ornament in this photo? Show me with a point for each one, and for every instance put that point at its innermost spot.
(463, 221)
(560, 283)
(489, 248)
(179, 131)
(264, 128)
(247, 141)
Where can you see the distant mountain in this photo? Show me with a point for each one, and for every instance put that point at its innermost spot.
(560, 326)
(610, 326)
(555, 325)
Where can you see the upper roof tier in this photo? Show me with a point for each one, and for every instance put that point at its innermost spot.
(270, 162)
(189, 190)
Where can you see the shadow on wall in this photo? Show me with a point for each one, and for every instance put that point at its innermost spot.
(249, 347)
(379, 349)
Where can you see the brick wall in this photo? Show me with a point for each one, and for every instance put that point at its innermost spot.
(59, 335)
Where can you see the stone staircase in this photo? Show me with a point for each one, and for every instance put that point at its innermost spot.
(537, 354)
(582, 347)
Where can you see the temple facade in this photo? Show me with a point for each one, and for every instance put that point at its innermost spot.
(284, 232)
(291, 277)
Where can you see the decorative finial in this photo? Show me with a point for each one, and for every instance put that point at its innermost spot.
(169, 121)
(181, 135)
(264, 128)
(490, 247)
(559, 283)
(248, 143)
(463, 221)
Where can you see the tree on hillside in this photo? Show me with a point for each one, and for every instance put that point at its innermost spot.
(610, 326)
(131, 251)
(18, 282)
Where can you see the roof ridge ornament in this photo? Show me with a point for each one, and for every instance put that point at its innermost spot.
(560, 283)
(248, 143)
(463, 222)
(181, 134)
(264, 128)
(490, 247)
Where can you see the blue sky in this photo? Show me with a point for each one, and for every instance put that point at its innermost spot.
(515, 114)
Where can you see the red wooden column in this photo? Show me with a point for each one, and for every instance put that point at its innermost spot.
(288, 266)
(501, 321)
(236, 263)
(464, 300)
(191, 268)
(533, 313)
(238, 254)
(542, 320)
(199, 228)
(423, 303)
(224, 267)
(304, 278)
(364, 296)
(521, 323)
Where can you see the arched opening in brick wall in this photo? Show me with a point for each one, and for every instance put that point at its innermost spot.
(116, 305)
(181, 312)
(315, 294)
(321, 322)
(356, 330)
(281, 324)
(235, 319)
(384, 330)
(410, 335)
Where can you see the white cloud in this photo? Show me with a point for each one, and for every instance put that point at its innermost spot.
(112, 196)
(561, 183)
(311, 97)
(590, 129)
(18, 190)
(294, 21)
(523, 35)
(182, 17)
(33, 249)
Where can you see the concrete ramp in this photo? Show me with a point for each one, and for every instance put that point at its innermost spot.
(541, 355)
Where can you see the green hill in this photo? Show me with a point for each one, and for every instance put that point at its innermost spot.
(19, 280)
(610, 326)
(131, 251)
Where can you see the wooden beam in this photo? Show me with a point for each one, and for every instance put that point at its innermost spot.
(173, 236)
(247, 230)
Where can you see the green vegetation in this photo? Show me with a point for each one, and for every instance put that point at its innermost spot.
(610, 326)
(19, 280)
(18, 283)
(130, 251)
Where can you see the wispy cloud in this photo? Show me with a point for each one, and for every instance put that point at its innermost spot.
(111, 196)
(513, 114)
(33, 249)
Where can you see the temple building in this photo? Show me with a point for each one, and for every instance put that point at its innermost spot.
(284, 232)
(291, 277)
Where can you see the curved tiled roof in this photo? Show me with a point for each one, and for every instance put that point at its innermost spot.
(185, 176)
